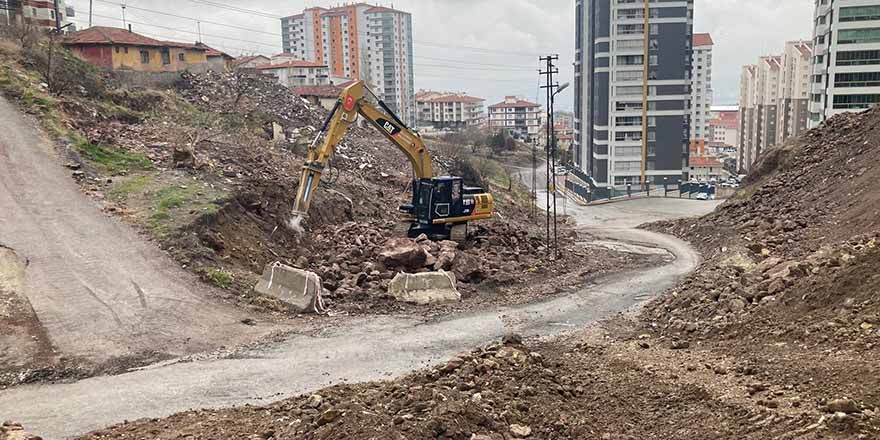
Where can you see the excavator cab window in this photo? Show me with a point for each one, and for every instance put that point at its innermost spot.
(442, 198)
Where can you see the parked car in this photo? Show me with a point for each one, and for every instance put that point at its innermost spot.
(561, 171)
(702, 196)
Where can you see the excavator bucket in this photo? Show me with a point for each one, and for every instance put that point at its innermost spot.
(299, 289)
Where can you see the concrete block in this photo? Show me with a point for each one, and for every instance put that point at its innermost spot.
(424, 288)
(300, 289)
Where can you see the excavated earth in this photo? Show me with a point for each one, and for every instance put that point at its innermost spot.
(207, 168)
(775, 336)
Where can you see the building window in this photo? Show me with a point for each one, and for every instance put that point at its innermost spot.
(855, 101)
(858, 57)
(858, 36)
(166, 56)
(181, 57)
(859, 79)
(860, 13)
(145, 57)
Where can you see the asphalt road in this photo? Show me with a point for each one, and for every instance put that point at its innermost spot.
(100, 290)
(83, 264)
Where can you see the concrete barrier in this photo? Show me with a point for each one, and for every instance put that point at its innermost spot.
(424, 288)
(300, 289)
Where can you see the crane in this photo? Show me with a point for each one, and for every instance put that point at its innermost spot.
(441, 207)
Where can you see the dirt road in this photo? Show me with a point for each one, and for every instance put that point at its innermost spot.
(100, 291)
(361, 350)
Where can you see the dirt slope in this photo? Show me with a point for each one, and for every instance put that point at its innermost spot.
(100, 291)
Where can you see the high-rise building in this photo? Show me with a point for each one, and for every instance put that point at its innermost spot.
(359, 41)
(773, 101)
(701, 90)
(846, 57)
(632, 90)
(794, 89)
(748, 97)
(760, 89)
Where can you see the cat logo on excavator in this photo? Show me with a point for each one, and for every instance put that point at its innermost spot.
(388, 126)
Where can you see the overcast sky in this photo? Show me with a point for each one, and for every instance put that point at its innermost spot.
(448, 34)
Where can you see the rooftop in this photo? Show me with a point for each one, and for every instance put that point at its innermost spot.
(293, 63)
(439, 97)
(704, 161)
(111, 35)
(703, 40)
(322, 91)
(515, 102)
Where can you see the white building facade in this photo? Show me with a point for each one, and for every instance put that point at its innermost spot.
(846, 58)
(517, 116)
(449, 110)
(296, 73)
(701, 90)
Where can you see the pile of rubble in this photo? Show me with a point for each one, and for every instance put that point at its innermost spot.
(779, 261)
(14, 431)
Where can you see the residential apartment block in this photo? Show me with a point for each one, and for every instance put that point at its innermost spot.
(632, 90)
(701, 90)
(40, 13)
(449, 110)
(359, 41)
(520, 118)
(773, 101)
(724, 127)
(846, 59)
(297, 73)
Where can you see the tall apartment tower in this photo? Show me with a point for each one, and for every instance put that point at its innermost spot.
(846, 57)
(794, 89)
(748, 121)
(633, 90)
(359, 41)
(701, 93)
(773, 101)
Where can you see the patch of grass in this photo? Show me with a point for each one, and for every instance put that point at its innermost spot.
(134, 185)
(219, 278)
(113, 161)
(176, 206)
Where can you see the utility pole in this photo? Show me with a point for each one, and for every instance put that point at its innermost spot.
(57, 18)
(199, 25)
(124, 26)
(90, 12)
(550, 86)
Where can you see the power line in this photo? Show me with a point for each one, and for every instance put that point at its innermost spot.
(278, 17)
(190, 18)
(238, 9)
(189, 32)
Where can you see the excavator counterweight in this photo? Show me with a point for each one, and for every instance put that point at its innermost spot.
(441, 207)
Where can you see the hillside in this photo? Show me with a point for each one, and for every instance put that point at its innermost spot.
(774, 337)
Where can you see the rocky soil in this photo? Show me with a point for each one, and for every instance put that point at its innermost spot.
(775, 336)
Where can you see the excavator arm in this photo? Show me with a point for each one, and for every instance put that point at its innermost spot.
(352, 102)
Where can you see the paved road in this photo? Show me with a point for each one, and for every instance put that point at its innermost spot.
(100, 290)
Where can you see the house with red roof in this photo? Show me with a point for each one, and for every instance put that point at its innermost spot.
(119, 49)
(448, 110)
(705, 168)
(521, 118)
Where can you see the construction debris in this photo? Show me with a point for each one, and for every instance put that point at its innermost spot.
(424, 288)
(299, 289)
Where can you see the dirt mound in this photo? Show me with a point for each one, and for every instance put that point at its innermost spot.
(509, 390)
(808, 222)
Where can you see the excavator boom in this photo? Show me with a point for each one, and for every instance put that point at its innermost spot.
(441, 207)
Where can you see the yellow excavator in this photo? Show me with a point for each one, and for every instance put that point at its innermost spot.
(441, 207)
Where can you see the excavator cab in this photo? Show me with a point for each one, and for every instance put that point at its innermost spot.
(442, 206)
